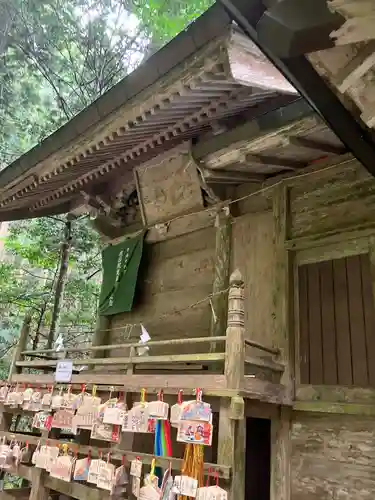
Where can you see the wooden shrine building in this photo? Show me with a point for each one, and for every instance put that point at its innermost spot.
(256, 193)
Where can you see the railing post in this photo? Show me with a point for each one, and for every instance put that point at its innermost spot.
(223, 226)
(21, 346)
(235, 343)
(232, 428)
(102, 333)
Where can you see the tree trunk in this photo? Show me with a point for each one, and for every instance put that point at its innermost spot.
(7, 14)
(60, 283)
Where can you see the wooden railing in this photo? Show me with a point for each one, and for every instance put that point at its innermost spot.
(230, 376)
(223, 353)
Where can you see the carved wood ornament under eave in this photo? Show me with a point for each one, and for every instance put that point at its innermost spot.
(168, 186)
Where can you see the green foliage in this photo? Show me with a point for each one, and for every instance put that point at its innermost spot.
(161, 20)
(59, 56)
(63, 54)
(27, 281)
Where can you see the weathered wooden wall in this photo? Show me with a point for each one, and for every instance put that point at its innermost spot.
(253, 254)
(332, 200)
(176, 273)
(331, 240)
(333, 457)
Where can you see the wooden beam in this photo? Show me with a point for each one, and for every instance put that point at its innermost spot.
(257, 345)
(358, 29)
(256, 128)
(211, 384)
(264, 363)
(136, 360)
(370, 339)
(274, 161)
(39, 490)
(259, 409)
(116, 454)
(265, 391)
(349, 75)
(283, 285)
(129, 345)
(319, 146)
(223, 230)
(75, 489)
(15, 493)
(332, 251)
(330, 237)
(281, 455)
(367, 410)
(335, 394)
(220, 176)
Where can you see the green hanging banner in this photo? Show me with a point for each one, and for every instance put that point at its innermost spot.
(120, 271)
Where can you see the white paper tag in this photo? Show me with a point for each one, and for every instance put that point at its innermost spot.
(3, 393)
(52, 455)
(63, 419)
(106, 475)
(57, 401)
(213, 493)
(114, 416)
(185, 485)
(137, 419)
(47, 400)
(93, 471)
(145, 336)
(27, 394)
(105, 432)
(158, 410)
(149, 492)
(136, 486)
(136, 468)
(41, 458)
(64, 370)
(175, 414)
(63, 468)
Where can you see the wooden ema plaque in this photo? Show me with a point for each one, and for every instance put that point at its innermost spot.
(63, 419)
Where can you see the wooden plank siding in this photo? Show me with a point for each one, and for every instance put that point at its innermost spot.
(337, 322)
(253, 254)
(176, 275)
(332, 201)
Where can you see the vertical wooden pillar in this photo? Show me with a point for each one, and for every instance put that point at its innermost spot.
(21, 346)
(280, 455)
(6, 418)
(223, 228)
(283, 331)
(38, 490)
(5, 424)
(101, 335)
(232, 433)
(283, 338)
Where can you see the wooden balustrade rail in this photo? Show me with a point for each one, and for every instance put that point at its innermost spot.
(271, 350)
(151, 343)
